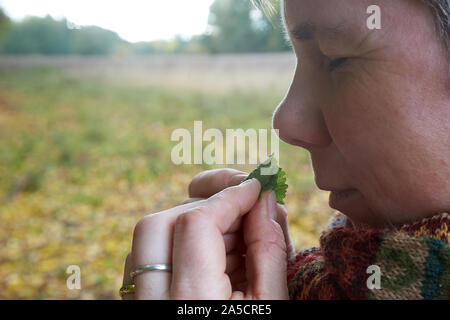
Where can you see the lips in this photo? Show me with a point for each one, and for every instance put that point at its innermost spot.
(341, 197)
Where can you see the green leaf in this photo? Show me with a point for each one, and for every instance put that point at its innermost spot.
(272, 177)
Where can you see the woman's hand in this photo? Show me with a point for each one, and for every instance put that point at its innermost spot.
(216, 249)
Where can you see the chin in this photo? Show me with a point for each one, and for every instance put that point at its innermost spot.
(356, 208)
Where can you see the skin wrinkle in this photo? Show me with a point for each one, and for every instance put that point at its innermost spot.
(307, 31)
(381, 139)
(375, 180)
(440, 24)
(389, 172)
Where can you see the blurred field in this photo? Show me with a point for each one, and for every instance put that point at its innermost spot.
(85, 153)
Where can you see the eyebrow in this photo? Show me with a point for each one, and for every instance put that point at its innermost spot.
(307, 31)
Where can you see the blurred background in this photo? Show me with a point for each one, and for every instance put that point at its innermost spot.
(90, 92)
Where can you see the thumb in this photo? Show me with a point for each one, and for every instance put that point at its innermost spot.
(266, 256)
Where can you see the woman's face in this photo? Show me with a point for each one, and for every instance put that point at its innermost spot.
(371, 106)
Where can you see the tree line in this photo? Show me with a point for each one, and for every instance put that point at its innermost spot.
(235, 26)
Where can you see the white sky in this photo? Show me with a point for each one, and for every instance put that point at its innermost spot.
(133, 20)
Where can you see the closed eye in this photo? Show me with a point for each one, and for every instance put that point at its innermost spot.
(336, 63)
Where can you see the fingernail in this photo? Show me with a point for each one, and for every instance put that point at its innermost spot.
(235, 180)
(272, 205)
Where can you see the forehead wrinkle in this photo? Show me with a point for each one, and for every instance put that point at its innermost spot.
(308, 30)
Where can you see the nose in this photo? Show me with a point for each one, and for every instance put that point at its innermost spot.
(299, 116)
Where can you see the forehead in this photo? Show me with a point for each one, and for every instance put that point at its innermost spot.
(326, 13)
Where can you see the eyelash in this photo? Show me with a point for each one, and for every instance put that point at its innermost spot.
(336, 63)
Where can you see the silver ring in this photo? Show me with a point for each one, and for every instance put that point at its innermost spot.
(149, 267)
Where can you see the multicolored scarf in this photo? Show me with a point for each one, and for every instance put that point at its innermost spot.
(412, 262)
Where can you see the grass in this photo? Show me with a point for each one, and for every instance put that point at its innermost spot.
(82, 160)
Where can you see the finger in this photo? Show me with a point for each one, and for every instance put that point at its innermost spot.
(191, 200)
(199, 255)
(282, 219)
(152, 237)
(237, 295)
(152, 243)
(236, 271)
(231, 241)
(238, 274)
(266, 251)
(235, 260)
(238, 279)
(225, 207)
(126, 276)
(127, 269)
(209, 182)
(236, 226)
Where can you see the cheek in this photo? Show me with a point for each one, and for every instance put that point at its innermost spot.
(362, 124)
(388, 140)
(370, 126)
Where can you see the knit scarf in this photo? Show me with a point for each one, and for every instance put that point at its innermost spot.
(412, 262)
